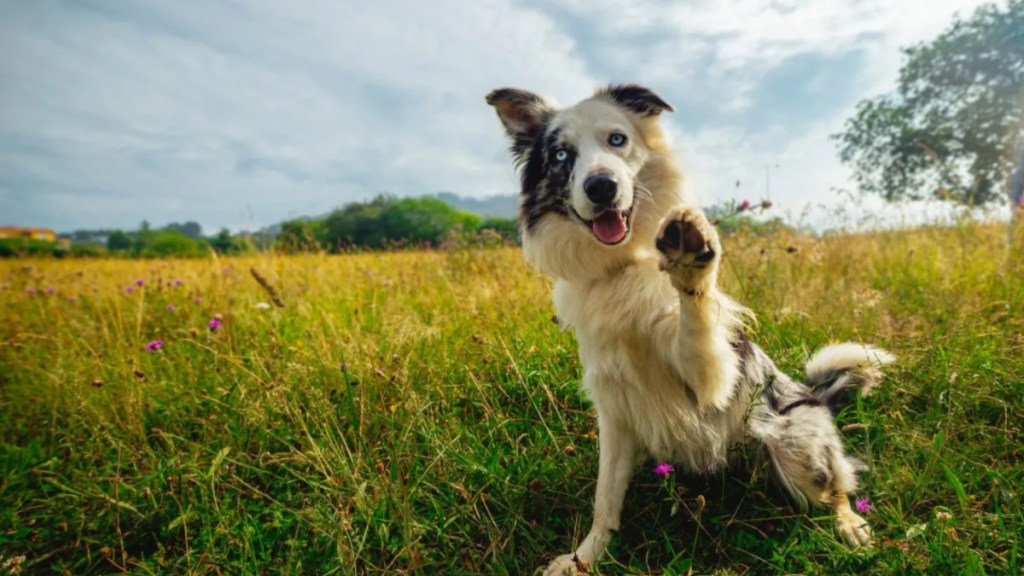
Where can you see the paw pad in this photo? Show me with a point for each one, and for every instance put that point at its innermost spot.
(684, 235)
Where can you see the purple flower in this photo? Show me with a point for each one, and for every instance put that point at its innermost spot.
(129, 289)
(215, 324)
(171, 307)
(140, 282)
(197, 300)
(663, 470)
(745, 205)
(863, 505)
(51, 291)
(155, 345)
(30, 291)
(177, 282)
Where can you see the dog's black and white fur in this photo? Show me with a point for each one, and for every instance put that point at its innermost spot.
(666, 362)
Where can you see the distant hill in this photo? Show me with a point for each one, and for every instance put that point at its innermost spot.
(506, 206)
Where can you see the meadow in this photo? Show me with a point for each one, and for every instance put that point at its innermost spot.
(417, 413)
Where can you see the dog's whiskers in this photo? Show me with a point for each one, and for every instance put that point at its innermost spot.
(643, 192)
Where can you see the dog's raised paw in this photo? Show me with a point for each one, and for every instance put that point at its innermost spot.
(689, 248)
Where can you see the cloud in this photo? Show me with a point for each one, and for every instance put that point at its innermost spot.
(757, 83)
(720, 50)
(243, 113)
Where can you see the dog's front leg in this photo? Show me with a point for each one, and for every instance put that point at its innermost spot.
(702, 334)
(617, 459)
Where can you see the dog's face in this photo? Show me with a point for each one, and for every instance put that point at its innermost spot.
(585, 169)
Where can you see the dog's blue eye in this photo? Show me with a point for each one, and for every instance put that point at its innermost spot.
(561, 156)
(617, 139)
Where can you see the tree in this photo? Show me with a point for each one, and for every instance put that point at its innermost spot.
(142, 239)
(190, 229)
(298, 236)
(358, 224)
(227, 243)
(166, 243)
(951, 129)
(420, 220)
(119, 241)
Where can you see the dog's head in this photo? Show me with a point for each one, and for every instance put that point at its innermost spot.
(591, 174)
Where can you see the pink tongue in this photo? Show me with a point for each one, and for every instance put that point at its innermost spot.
(610, 227)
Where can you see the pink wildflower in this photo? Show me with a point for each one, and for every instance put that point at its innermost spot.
(51, 291)
(140, 282)
(30, 291)
(863, 505)
(171, 307)
(129, 289)
(745, 205)
(154, 346)
(215, 324)
(663, 470)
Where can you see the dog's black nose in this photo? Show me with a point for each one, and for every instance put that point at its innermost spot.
(600, 188)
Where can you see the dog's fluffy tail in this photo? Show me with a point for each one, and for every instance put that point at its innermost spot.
(835, 373)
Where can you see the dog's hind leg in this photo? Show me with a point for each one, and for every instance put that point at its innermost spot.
(809, 462)
(617, 459)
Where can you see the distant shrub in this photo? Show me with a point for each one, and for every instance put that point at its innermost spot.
(226, 243)
(24, 247)
(164, 243)
(507, 228)
(119, 241)
(87, 250)
(299, 236)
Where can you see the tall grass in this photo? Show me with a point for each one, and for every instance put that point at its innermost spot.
(417, 413)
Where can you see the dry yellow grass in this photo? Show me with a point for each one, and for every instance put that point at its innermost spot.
(416, 413)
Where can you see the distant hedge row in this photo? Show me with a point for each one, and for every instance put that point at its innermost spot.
(141, 244)
(383, 223)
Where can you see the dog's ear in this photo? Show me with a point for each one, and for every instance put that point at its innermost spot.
(523, 113)
(637, 99)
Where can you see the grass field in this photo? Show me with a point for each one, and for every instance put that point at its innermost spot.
(417, 413)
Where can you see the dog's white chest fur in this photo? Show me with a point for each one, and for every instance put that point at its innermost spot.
(627, 375)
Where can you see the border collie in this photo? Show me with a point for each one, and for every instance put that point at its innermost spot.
(666, 362)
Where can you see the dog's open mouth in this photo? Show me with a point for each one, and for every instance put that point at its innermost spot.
(611, 226)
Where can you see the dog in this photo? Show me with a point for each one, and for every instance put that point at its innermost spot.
(666, 362)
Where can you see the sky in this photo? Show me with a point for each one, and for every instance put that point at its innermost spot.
(242, 113)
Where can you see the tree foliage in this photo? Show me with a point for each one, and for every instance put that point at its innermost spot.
(952, 128)
(299, 236)
(119, 241)
(224, 242)
(190, 229)
(164, 243)
(386, 222)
